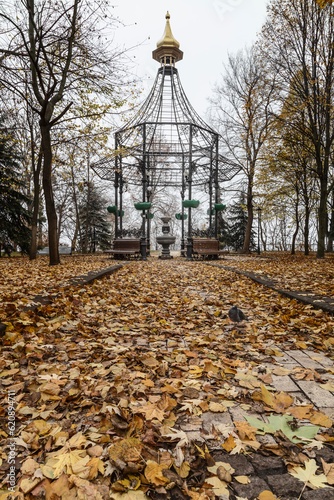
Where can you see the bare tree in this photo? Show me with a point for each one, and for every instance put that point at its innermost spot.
(49, 53)
(241, 107)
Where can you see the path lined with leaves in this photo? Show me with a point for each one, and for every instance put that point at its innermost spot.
(138, 385)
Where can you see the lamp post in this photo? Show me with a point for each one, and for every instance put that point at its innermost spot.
(258, 229)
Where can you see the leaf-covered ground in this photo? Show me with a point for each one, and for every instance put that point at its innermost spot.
(21, 279)
(291, 272)
(129, 387)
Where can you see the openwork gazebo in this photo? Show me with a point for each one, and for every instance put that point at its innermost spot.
(167, 144)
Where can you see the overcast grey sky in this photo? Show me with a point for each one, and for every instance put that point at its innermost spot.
(206, 30)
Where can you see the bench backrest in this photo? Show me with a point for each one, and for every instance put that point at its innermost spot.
(127, 244)
(205, 244)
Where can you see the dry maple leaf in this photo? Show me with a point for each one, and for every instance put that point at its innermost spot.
(308, 475)
(153, 473)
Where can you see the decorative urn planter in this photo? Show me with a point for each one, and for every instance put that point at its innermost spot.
(166, 240)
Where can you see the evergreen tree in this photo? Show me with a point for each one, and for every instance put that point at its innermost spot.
(14, 215)
(95, 229)
(237, 225)
(223, 229)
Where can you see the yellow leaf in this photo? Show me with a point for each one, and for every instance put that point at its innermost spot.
(300, 412)
(328, 387)
(319, 418)
(242, 479)
(219, 487)
(77, 440)
(267, 495)
(184, 470)
(217, 407)
(153, 473)
(96, 465)
(229, 443)
(50, 388)
(245, 431)
(227, 466)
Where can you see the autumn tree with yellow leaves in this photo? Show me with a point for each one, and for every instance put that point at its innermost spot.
(298, 38)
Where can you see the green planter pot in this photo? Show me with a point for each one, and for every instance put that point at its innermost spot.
(112, 210)
(190, 203)
(179, 216)
(143, 206)
(219, 207)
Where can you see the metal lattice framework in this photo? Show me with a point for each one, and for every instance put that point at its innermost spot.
(168, 135)
(167, 143)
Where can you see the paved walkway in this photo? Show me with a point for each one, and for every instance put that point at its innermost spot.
(185, 347)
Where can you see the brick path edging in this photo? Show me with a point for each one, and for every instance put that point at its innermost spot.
(317, 301)
(41, 300)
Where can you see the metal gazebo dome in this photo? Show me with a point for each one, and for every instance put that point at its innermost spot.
(167, 143)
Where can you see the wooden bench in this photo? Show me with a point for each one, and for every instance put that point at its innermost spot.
(206, 247)
(125, 247)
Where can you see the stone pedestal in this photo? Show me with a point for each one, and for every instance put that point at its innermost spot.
(166, 240)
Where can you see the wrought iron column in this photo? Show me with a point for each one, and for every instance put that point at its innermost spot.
(143, 242)
(116, 184)
(190, 240)
(216, 186)
(210, 195)
(182, 213)
(121, 183)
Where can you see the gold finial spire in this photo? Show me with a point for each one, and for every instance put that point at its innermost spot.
(167, 51)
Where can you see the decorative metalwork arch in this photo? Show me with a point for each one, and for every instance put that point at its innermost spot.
(167, 144)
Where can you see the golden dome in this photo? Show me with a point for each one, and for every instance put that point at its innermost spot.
(168, 46)
(168, 38)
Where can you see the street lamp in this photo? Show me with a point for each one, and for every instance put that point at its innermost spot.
(258, 229)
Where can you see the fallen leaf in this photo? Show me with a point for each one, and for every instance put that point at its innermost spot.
(308, 475)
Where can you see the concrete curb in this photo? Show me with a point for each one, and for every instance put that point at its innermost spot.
(85, 279)
(317, 301)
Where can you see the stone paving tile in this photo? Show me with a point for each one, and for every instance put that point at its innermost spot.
(213, 419)
(304, 359)
(286, 360)
(285, 485)
(321, 494)
(321, 358)
(284, 383)
(319, 397)
(252, 490)
(238, 414)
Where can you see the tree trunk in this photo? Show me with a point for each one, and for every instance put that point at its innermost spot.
(48, 194)
(250, 214)
(322, 214)
(77, 230)
(34, 222)
(331, 226)
(294, 237)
